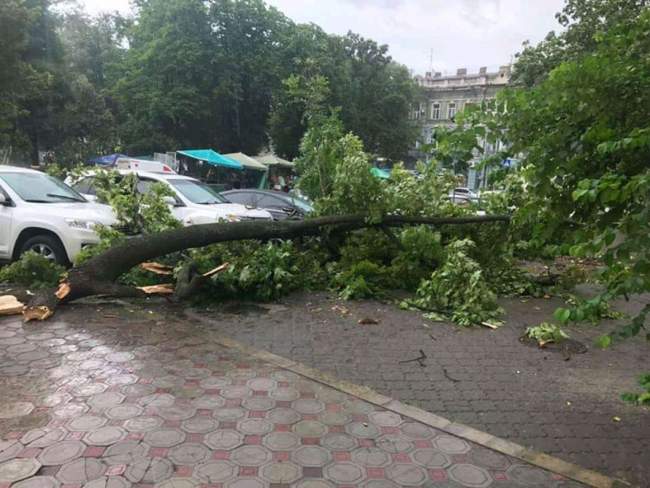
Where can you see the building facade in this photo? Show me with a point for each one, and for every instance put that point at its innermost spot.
(445, 96)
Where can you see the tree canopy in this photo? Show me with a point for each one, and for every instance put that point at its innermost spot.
(185, 73)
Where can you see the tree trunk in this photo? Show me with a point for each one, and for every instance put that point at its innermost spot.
(97, 276)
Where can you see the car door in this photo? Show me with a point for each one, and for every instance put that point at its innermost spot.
(6, 222)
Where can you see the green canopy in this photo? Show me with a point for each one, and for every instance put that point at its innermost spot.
(211, 157)
(380, 173)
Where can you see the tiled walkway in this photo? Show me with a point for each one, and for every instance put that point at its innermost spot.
(100, 401)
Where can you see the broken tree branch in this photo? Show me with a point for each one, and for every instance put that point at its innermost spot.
(97, 276)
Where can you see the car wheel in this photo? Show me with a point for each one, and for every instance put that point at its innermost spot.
(47, 246)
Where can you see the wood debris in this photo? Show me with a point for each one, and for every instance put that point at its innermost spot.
(216, 270)
(368, 321)
(164, 289)
(37, 313)
(9, 305)
(63, 291)
(157, 268)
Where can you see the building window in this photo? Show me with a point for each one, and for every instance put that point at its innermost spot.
(435, 111)
(451, 110)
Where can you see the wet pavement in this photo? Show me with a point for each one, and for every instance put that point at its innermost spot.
(112, 397)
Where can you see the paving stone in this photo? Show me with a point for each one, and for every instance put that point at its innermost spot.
(149, 470)
(15, 409)
(86, 423)
(199, 424)
(246, 483)
(285, 472)
(250, 455)
(164, 437)
(177, 412)
(489, 459)
(394, 443)
(214, 382)
(138, 390)
(81, 471)
(311, 456)
(470, 476)
(308, 406)
(255, 426)
(61, 452)
(258, 403)
(124, 411)
(283, 415)
(215, 471)
(390, 484)
(38, 482)
(450, 444)
(281, 441)
(209, 402)
(314, 484)
(339, 442)
(385, 419)
(43, 437)
(309, 428)
(406, 474)
(104, 436)
(122, 379)
(188, 454)
(285, 394)
(431, 458)
(226, 414)
(223, 439)
(343, 473)
(362, 430)
(261, 384)
(235, 391)
(178, 483)
(89, 389)
(528, 475)
(124, 452)
(157, 400)
(417, 430)
(143, 424)
(106, 400)
(108, 482)
(119, 357)
(18, 469)
(334, 418)
(370, 456)
(9, 449)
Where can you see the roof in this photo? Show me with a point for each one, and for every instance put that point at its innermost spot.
(211, 157)
(17, 169)
(246, 161)
(273, 160)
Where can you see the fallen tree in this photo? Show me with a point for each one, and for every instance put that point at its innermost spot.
(98, 275)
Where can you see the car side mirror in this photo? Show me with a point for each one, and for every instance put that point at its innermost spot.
(4, 200)
(90, 198)
(170, 201)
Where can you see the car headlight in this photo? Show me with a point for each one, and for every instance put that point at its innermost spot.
(82, 224)
(233, 218)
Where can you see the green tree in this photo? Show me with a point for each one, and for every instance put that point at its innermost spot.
(165, 91)
(586, 139)
(583, 22)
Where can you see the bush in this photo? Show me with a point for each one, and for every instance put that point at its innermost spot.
(363, 279)
(421, 253)
(458, 289)
(32, 271)
(640, 398)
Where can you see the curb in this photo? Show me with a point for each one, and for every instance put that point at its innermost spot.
(503, 446)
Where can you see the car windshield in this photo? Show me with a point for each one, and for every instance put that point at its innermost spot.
(40, 188)
(197, 192)
(303, 205)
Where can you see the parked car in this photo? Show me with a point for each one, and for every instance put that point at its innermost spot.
(193, 202)
(463, 193)
(281, 205)
(42, 214)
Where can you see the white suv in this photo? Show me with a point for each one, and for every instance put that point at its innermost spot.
(193, 202)
(42, 214)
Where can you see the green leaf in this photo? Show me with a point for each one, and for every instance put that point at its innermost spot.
(562, 315)
(604, 341)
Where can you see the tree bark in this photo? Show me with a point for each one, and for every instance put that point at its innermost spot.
(97, 276)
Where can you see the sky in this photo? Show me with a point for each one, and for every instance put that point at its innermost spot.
(425, 35)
